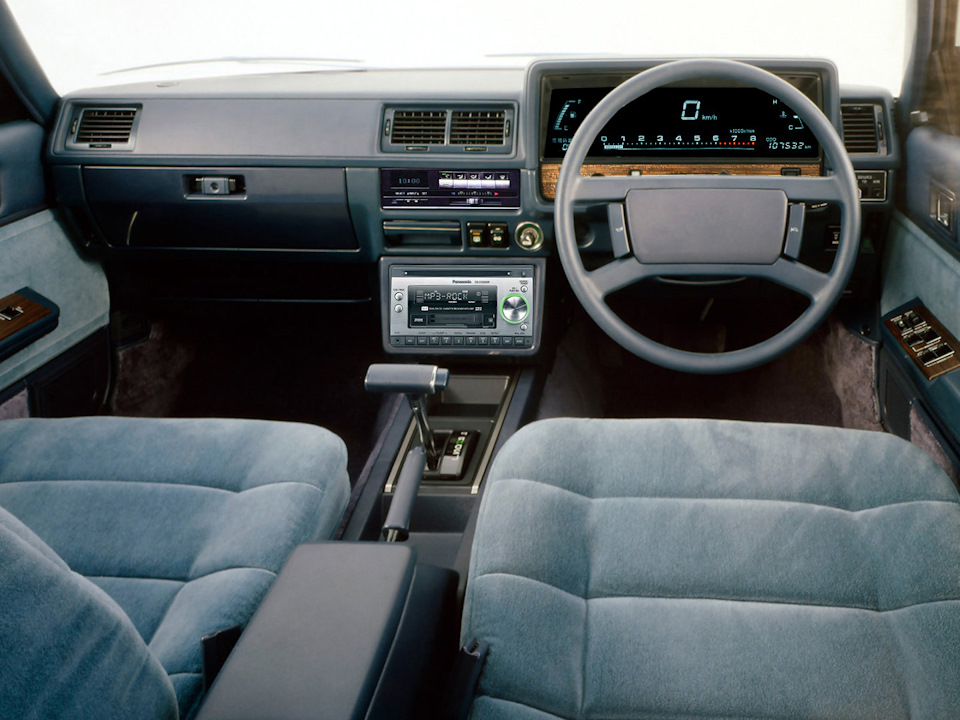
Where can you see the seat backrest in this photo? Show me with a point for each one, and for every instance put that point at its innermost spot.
(68, 649)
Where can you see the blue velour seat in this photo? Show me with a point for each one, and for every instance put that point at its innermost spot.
(129, 540)
(709, 569)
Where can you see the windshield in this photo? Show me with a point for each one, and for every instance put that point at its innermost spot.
(89, 43)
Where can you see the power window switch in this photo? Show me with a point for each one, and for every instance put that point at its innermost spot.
(914, 340)
(943, 351)
(10, 312)
(927, 357)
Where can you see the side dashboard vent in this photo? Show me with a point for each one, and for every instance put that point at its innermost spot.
(103, 128)
(478, 127)
(418, 127)
(861, 128)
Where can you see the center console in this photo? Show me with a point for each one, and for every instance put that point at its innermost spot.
(450, 306)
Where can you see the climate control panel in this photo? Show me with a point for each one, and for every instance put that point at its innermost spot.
(435, 306)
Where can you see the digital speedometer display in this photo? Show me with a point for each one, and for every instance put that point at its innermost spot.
(737, 123)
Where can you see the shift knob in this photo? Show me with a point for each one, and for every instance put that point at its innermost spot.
(406, 378)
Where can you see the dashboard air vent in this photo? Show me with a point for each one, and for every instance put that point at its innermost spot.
(860, 128)
(105, 127)
(418, 127)
(477, 127)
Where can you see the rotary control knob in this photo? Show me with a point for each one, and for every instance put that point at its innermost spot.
(514, 308)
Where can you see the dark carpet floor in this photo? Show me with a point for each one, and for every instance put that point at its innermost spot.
(302, 363)
(826, 380)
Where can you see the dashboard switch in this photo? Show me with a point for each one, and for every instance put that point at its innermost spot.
(499, 235)
(477, 235)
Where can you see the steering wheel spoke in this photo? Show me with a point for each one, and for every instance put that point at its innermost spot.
(602, 189)
(796, 276)
(617, 275)
(826, 189)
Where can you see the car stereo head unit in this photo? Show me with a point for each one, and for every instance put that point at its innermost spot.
(419, 188)
(438, 306)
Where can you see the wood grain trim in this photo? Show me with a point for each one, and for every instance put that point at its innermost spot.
(32, 312)
(929, 371)
(549, 172)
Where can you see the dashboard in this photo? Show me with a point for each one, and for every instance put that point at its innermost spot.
(459, 167)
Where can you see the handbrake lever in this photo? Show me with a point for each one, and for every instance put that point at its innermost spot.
(396, 528)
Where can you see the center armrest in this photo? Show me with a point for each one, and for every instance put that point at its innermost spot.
(340, 635)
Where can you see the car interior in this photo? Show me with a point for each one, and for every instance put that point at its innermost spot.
(583, 385)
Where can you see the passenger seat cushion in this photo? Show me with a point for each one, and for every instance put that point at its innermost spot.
(185, 523)
(67, 649)
(684, 568)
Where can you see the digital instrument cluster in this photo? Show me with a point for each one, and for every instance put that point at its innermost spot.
(739, 123)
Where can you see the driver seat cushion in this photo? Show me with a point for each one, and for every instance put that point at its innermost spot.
(697, 568)
(183, 523)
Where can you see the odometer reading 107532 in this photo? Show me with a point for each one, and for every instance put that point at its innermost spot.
(684, 122)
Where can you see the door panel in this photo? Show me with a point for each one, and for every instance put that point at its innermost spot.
(922, 262)
(37, 253)
(917, 266)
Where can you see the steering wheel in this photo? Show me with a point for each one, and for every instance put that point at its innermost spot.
(707, 225)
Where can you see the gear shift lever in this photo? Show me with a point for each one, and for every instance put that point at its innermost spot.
(416, 382)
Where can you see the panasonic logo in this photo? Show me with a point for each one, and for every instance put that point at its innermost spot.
(462, 282)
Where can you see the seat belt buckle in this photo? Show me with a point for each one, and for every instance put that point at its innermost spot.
(214, 651)
(466, 675)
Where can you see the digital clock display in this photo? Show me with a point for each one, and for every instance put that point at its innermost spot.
(741, 123)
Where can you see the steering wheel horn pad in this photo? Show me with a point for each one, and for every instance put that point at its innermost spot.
(706, 226)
